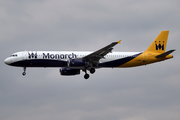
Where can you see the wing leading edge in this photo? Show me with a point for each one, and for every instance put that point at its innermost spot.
(97, 55)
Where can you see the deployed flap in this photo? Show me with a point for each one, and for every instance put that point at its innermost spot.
(97, 55)
(165, 54)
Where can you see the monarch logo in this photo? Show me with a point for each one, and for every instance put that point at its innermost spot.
(32, 55)
(159, 46)
(52, 56)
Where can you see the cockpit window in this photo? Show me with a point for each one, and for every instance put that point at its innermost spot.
(14, 55)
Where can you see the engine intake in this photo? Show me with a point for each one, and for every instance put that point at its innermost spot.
(69, 71)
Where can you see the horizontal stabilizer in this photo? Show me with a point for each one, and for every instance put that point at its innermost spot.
(165, 54)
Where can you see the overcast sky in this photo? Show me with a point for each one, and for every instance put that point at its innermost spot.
(141, 93)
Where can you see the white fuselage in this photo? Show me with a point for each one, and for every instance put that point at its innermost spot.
(60, 58)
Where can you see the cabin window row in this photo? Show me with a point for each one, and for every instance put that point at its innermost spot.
(105, 56)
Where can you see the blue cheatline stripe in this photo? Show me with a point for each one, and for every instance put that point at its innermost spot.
(118, 62)
(40, 63)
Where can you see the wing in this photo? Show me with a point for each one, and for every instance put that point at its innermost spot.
(97, 55)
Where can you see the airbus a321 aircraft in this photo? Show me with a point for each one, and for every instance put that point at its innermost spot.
(72, 62)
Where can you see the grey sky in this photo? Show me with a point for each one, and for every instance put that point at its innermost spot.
(143, 93)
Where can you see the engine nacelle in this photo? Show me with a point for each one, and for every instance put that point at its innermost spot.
(69, 71)
(76, 62)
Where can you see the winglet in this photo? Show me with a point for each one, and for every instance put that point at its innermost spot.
(119, 41)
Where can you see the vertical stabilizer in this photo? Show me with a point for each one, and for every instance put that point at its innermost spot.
(159, 44)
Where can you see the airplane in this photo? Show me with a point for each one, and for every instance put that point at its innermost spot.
(72, 62)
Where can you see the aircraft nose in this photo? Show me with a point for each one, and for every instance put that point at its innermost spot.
(7, 61)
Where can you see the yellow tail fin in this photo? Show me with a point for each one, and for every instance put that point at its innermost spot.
(159, 44)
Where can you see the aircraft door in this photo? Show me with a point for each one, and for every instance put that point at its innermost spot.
(24, 55)
(145, 57)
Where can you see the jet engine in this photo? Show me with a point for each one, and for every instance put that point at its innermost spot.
(69, 71)
(76, 62)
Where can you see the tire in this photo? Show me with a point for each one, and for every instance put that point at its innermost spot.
(24, 73)
(92, 70)
(86, 76)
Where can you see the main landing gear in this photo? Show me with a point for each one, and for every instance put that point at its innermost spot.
(86, 76)
(24, 73)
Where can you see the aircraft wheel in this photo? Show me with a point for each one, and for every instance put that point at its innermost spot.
(92, 70)
(24, 73)
(86, 76)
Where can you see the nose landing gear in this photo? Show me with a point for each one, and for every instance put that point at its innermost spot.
(24, 73)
